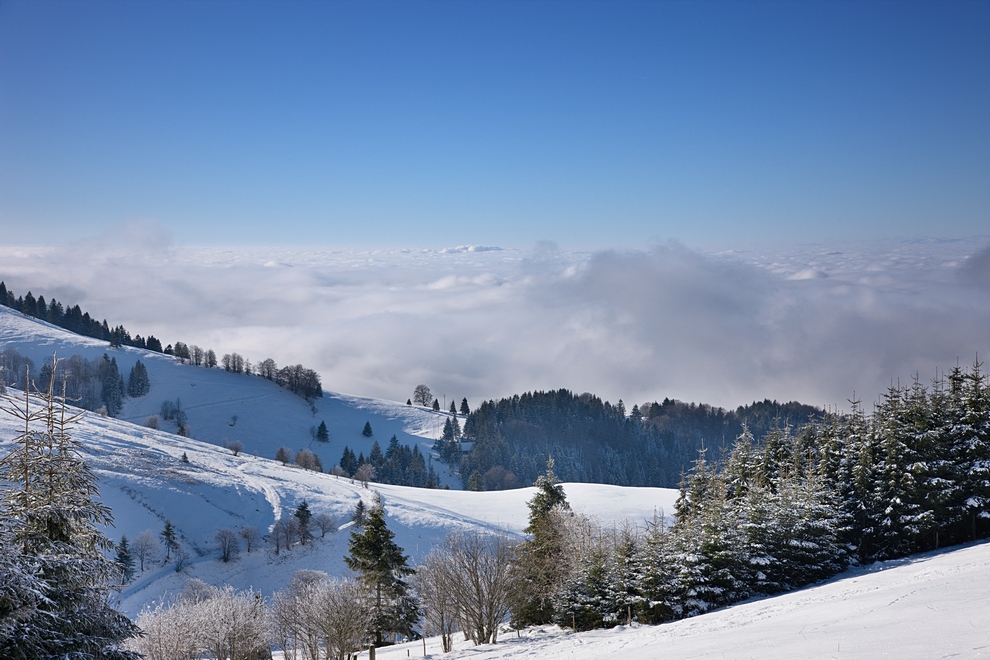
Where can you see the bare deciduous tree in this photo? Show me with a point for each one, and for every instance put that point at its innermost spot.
(251, 536)
(285, 532)
(228, 543)
(365, 473)
(325, 613)
(478, 571)
(307, 459)
(144, 547)
(422, 395)
(325, 523)
(204, 620)
(436, 594)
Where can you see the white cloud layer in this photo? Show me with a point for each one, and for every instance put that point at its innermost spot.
(814, 324)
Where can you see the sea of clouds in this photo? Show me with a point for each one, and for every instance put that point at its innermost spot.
(815, 323)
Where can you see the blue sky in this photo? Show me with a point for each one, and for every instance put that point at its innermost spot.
(590, 124)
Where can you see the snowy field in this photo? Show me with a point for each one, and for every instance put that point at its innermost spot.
(933, 606)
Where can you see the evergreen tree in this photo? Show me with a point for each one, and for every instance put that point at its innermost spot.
(541, 565)
(382, 569)
(465, 409)
(304, 516)
(125, 560)
(655, 575)
(137, 381)
(322, 433)
(367, 432)
(375, 456)
(436, 405)
(170, 538)
(476, 482)
(713, 569)
(360, 513)
(112, 391)
(348, 461)
(56, 571)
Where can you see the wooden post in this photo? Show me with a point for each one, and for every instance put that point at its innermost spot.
(573, 623)
(628, 615)
(424, 647)
(371, 653)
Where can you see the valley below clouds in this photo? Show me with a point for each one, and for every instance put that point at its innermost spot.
(816, 323)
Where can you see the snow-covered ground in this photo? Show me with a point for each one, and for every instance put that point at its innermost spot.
(223, 407)
(145, 482)
(931, 606)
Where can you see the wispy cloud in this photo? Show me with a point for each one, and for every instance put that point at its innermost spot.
(813, 324)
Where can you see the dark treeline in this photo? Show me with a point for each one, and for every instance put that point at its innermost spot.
(400, 465)
(96, 385)
(298, 379)
(594, 441)
(794, 508)
(73, 319)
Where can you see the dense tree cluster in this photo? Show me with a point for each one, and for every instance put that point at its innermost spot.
(74, 320)
(398, 464)
(595, 441)
(788, 510)
(296, 378)
(90, 385)
(765, 515)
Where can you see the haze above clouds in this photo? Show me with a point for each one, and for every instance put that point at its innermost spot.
(812, 323)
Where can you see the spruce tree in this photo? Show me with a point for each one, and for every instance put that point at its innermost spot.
(304, 516)
(170, 538)
(465, 409)
(137, 381)
(51, 536)
(974, 451)
(322, 433)
(367, 432)
(125, 560)
(541, 564)
(112, 391)
(382, 569)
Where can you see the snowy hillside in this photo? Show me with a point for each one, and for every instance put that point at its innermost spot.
(144, 480)
(223, 407)
(936, 605)
(930, 606)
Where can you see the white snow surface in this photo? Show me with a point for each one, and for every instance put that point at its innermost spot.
(930, 606)
(144, 481)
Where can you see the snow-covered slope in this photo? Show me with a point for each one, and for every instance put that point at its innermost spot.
(930, 606)
(144, 480)
(923, 607)
(222, 407)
